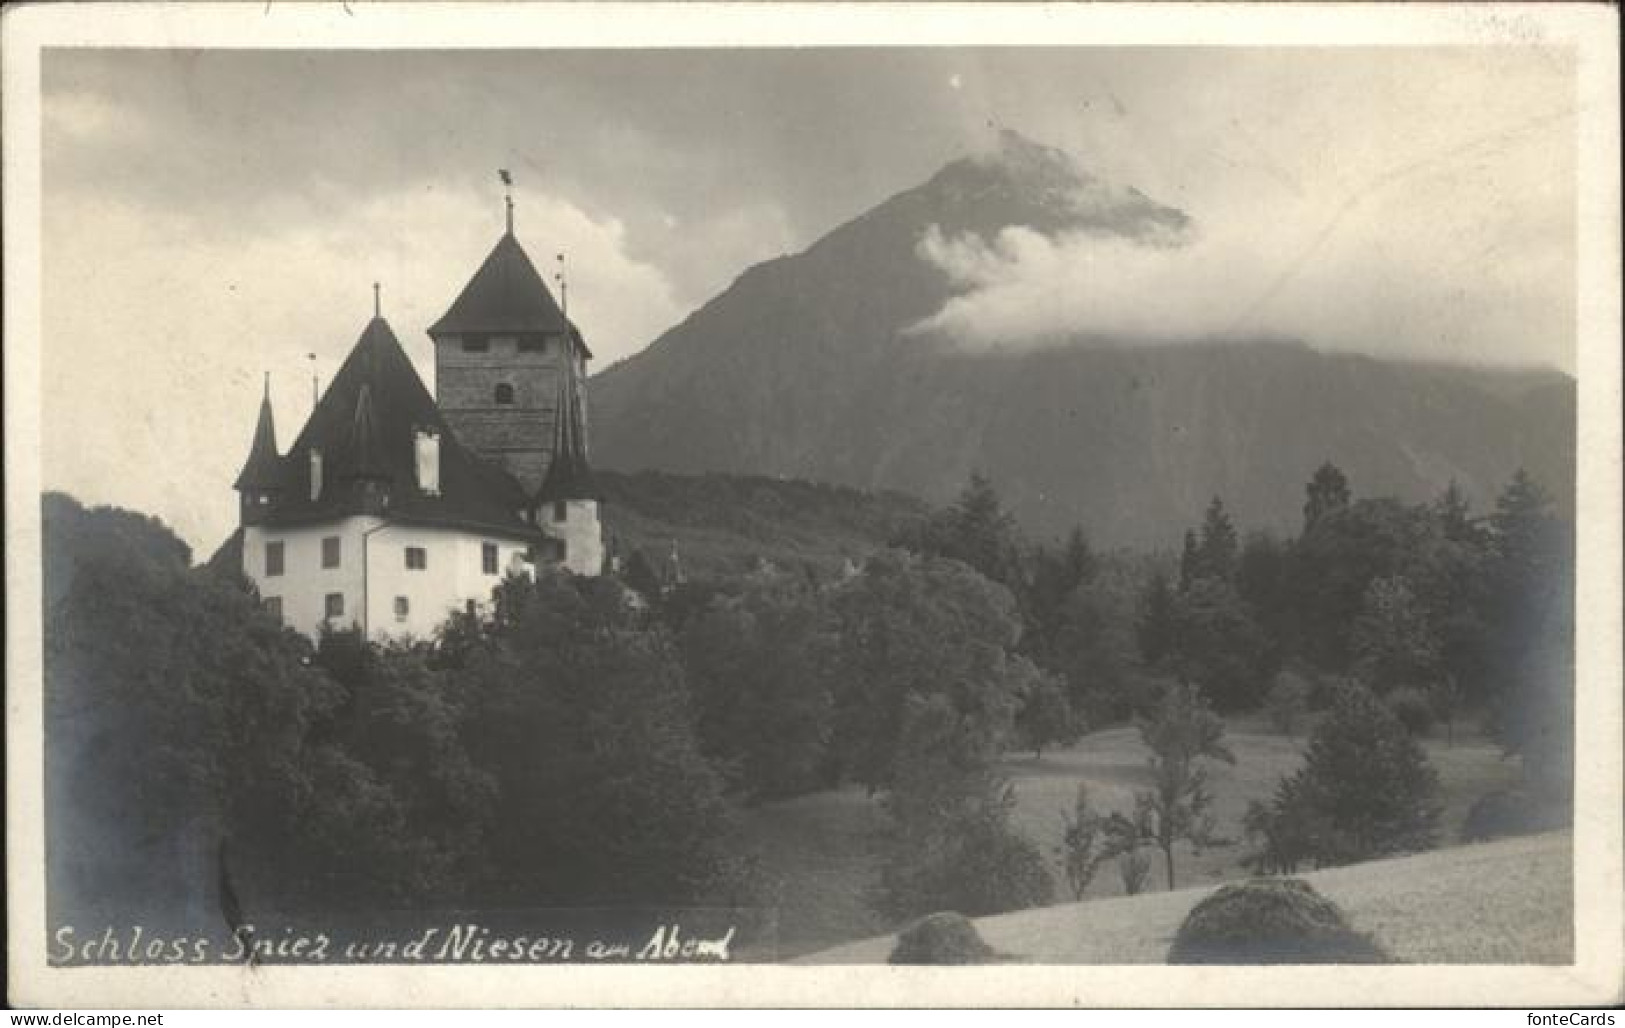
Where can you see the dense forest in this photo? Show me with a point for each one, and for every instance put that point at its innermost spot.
(594, 741)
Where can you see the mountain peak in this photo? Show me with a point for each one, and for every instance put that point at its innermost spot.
(1045, 188)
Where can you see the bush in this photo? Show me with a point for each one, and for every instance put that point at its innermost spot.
(1508, 812)
(1271, 921)
(1413, 709)
(943, 938)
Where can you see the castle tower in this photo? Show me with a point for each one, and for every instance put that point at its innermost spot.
(502, 353)
(567, 503)
(259, 484)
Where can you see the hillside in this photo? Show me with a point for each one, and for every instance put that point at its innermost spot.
(729, 522)
(1501, 902)
(805, 367)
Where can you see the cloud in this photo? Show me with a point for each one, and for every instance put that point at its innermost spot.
(1463, 254)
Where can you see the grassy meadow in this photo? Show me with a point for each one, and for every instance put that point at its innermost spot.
(817, 853)
(1509, 901)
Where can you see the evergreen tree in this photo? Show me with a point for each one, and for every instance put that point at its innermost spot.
(1366, 790)
(975, 530)
(1156, 627)
(1327, 491)
(1057, 574)
(1218, 551)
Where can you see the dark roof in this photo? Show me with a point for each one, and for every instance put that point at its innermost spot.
(506, 294)
(569, 475)
(263, 469)
(365, 424)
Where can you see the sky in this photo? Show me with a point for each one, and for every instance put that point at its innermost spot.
(210, 217)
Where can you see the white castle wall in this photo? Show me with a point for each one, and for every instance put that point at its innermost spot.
(454, 574)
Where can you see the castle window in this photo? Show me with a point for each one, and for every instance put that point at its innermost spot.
(561, 510)
(488, 558)
(532, 344)
(331, 551)
(476, 344)
(273, 607)
(417, 558)
(273, 559)
(504, 394)
(403, 606)
(334, 605)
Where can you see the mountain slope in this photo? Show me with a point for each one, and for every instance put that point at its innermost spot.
(805, 367)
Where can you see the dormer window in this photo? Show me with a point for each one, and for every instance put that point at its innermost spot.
(315, 475)
(476, 344)
(504, 394)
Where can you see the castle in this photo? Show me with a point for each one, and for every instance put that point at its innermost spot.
(394, 508)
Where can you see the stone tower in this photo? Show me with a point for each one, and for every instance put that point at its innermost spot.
(503, 354)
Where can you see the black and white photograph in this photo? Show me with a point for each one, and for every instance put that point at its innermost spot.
(1008, 494)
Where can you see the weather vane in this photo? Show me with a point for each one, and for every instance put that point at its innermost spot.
(507, 180)
(564, 288)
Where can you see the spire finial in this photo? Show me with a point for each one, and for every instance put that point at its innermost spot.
(507, 180)
(377, 302)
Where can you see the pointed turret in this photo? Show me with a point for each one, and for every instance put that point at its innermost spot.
(569, 474)
(263, 469)
(259, 484)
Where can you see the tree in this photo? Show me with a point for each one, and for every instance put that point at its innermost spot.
(1182, 733)
(1056, 576)
(178, 713)
(1327, 491)
(1334, 563)
(1081, 843)
(583, 719)
(976, 530)
(1530, 614)
(640, 575)
(951, 845)
(764, 706)
(1264, 581)
(1045, 716)
(912, 628)
(1212, 553)
(1366, 790)
(1218, 645)
(1156, 631)
(1217, 552)
(1393, 642)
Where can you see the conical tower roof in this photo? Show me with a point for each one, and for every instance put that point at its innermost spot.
(506, 295)
(263, 469)
(569, 475)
